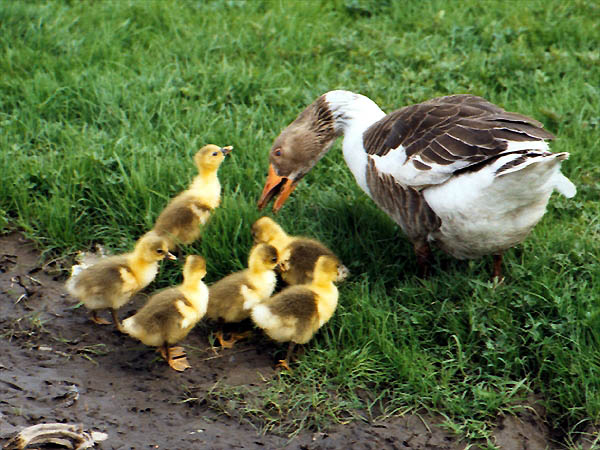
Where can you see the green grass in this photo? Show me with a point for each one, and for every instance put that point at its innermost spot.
(102, 105)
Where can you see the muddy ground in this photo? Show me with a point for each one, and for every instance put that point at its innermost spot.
(56, 366)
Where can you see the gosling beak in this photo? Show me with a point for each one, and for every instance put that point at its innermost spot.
(226, 150)
(283, 266)
(171, 256)
(276, 184)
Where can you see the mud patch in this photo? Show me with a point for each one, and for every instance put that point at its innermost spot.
(56, 366)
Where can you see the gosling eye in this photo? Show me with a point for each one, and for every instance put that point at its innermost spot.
(160, 251)
(215, 154)
(273, 259)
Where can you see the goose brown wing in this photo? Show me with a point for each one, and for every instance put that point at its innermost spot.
(457, 131)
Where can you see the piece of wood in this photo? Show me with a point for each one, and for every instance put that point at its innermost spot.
(67, 435)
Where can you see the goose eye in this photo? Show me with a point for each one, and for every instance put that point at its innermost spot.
(277, 152)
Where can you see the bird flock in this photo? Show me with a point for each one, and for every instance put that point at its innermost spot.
(294, 314)
(457, 172)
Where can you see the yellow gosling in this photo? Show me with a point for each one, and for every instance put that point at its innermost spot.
(295, 314)
(180, 222)
(112, 281)
(231, 298)
(170, 314)
(297, 255)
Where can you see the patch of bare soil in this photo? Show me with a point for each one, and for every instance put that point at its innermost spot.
(56, 366)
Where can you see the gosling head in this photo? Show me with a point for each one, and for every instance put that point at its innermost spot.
(326, 269)
(211, 156)
(194, 268)
(152, 247)
(266, 230)
(263, 257)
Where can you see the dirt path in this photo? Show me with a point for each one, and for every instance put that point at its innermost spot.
(55, 366)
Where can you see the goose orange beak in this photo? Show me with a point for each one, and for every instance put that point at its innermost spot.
(276, 184)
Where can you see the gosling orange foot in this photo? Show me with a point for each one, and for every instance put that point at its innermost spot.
(175, 357)
(172, 352)
(179, 364)
(98, 320)
(234, 338)
(283, 365)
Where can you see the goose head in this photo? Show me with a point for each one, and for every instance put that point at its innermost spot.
(297, 149)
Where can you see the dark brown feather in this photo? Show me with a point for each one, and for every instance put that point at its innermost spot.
(304, 254)
(179, 214)
(452, 128)
(419, 165)
(525, 155)
(160, 315)
(405, 205)
(226, 294)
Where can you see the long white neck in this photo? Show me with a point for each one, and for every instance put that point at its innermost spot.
(353, 114)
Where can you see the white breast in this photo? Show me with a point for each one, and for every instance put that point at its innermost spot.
(146, 275)
(266, 284)
(483, 213)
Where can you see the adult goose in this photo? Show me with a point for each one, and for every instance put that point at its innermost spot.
(457, 171)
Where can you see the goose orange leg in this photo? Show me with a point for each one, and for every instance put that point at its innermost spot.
(423, 254)
(497, 271)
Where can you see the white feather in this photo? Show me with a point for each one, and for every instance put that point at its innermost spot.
(250, 297)
(130, 326)
(513, 146)
(262, 316)
(563, 185)
(483, 213)
(353, 114)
